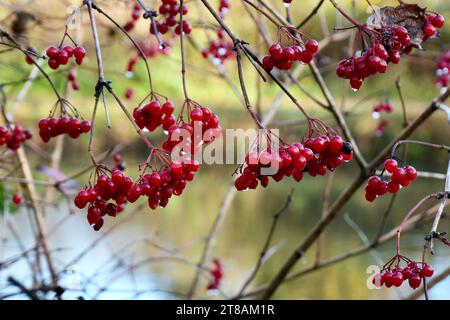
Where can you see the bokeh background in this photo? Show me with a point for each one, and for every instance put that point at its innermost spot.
(123, 264)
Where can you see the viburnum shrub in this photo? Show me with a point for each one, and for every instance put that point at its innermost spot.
(181, 127)
(400, 176)
(386, 40)
(300, 48)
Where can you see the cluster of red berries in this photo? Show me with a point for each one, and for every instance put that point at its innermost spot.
(443, 70)
(118, 188)
(159, 186)
(216, 275)
(52, 127)
(414, 272)
(135, 15)
(384, 106)
(120, 164)
(283, 57)
(13, 138)
(400, 177)
(434, 22)
(315, 156)
(219, 50)
(17, 198)
(60, 56)
(170, 9)
(71, 77)
(203, 128)
(150, 50)
(387, 46)
(153, 114)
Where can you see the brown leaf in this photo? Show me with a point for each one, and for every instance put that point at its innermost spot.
(410, 16)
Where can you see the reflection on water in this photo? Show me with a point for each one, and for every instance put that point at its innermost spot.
(134, 260)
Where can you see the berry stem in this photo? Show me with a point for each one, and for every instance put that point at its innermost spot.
(135, 44)
(409, 214)
(347, 16)
(183, 62)
(152, 14)
(421, 143)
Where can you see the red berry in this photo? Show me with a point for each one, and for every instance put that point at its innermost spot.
(414, 281)
(390, 165)
(52, 52)
(429, 30)
(312, 46)
(85, 126)
(69, 51)
(53, 63)
(410, 173)
(397, 279)
(79, 53)
(62, 57)
(401, 32)
(196, 114)
(17, 198)
(276, 51)
(438, 21)
(427, 271)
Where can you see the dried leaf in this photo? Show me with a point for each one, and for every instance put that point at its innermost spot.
(410, 16)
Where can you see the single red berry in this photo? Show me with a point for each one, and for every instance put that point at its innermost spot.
(62, 57)
(390, 165)
(52, 52)
(429, 30)
(79, 53)
(397, 279)
(196, 114)
(438, 21)
(414, 281)
(312, 46)
(401, 32)
(17, 198)
(427, 271)
(276, 51)
(53, 63)
(410, 173)
(69, 51)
